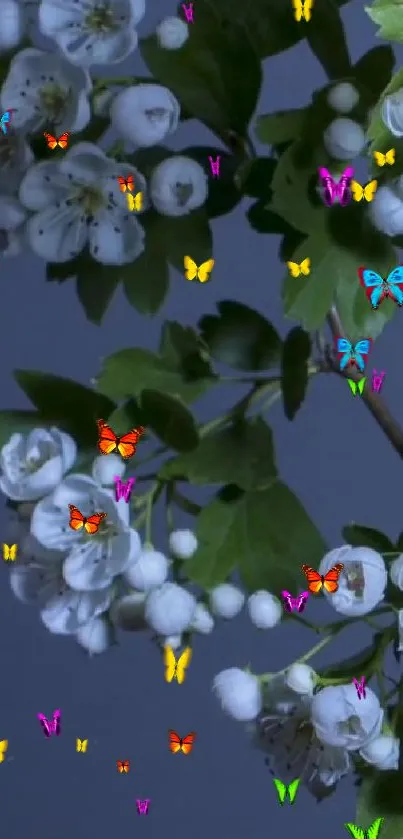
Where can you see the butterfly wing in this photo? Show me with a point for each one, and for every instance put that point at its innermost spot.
(361, 384)
(370, 190)
(329, 186)
(76, 518)
(374, 828)
(281, 789)
(130, 183)
(84, 745)
(50, 139)
(344, 351)
(175, 742)
(46, 728)
(394, 285)
(331, 579)
(308, 10)
(56, 722)
(203, 273)
(107, 440)
(314, 579)
(130, 201)
(380, 159)
(122, 184)
(119, 765)
(361, 350)
(92, 522)
(298, 9)
(390, 157)
(288, 600)
(302, 600)
(128, 442)
(138, 202)
(6, 552)
(343, 187)
(305, 267)
(356, 832)
(187, 743)
(63, 140)
(373, 285)
(357, 191)
(182, 665)
(190, 268)
(12, 552)
(3, 750)
(170, 663)
(78, 745)
(294, 269)
(293, 789)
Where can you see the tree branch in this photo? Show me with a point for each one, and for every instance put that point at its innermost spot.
(373, 401)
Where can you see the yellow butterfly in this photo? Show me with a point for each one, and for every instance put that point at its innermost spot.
(302, 10)
(383, 159)
(10, 552)
(3, 749)
(368, 191)
(201, 272)
(176, 668)
(134, 202)
(303, 267)
(81, 745)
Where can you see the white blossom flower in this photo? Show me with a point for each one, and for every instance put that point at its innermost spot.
(392, 113)
(172, 33)
(301, 678)
(400, 630)
(104, 469)
(127, 612)
(396, 572)
(382, 752)
(226, 600)
(173, 641)
(202, 621)
(92, 561)
(239, 694)
(342, 719)
(386, 211)
(361, 583)
(170, 609)
(92, 32)
(68, 610)
(178, 186)
(343, 97)
(77, 201)
(182, 544)
(145, 114)
(12, 24)
(265, 610)
(344, 139)
(44, 90)
(95, 636)
(12, 230)
(32, 465)
(149, 571)
(15, 158)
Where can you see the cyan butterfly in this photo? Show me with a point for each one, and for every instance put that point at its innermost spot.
(352, 354)
(376, 288)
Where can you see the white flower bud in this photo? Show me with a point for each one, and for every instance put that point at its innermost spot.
(170, 609)
(105, 468)
(174, 641)
(239, 694)
(362, 581)
(342, 719)
(226, 600)
(264, 609)
(343, 97)
(128, 612)
(12, 24)
(392, 113)
(172, 33)
(386, 211)
(344, 139)
(301, 679)
(382, 752)
(145, 114)
(396, 572)
(178, 186)
(202, 621)
(182, 544)
(148, 571)
(94, 636)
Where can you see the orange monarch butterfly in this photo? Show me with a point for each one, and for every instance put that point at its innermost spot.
(90, 524)
(53, 142)
(126, 445)
(123, 766)
(126, 183)
(329, 581)
(179, 744)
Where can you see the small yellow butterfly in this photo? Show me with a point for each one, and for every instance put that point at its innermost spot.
(176, 668)
(10, 552)
(368, 191)
(201, 272)
(3, 749)
(303, 267)
(134, 202)
(302, 10)
(81, 745)
(383, 159)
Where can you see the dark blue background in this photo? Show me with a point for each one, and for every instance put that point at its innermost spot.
(119, 701)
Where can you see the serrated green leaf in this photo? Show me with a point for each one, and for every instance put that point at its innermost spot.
(95, 283)
(170, 420)
(183, 348)
(293, 196)
(294, 370)
(240, 337)
(388, 15)
(241, 454)
(281, 127)
(358, 535)
(146, 281)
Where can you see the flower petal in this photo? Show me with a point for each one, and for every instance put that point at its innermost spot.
(85, 568)
(66, 613)
(115, 240)
(57, 235)
(43, 185)
(85, 163)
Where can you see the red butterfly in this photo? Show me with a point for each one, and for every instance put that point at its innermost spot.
(90, 524)
(53, 142)
(126, 445)
(126, 183)
(123, 766)
(329, 581)
(181, 744)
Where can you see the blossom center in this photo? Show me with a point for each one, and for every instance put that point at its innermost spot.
(90, 199)
(155, 114)
(182, 193)
(53, 100)
(101, 19)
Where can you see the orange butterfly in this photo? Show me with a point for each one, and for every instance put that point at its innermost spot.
(126, 445)
(329, 581)
(126, 183)
(123, 766)
(179, 744)
(90, 524)
(53, 142)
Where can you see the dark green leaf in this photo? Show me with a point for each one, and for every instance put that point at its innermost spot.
(146, 281)
(326, 38)
(127, 416)
(264, 220)
(373, 72)
(241, 454)
(399, 543)
(68, 404)
(254, 177)
(185, 236)
(294, 370)
(381, 794)
(386, 14)
(359, 536)
(19, 422)
(240, 337)
(251, 532)
(356, 665)
(293, 197)
(280, 127)
(170, 420)
(223, 194)
(216, 75)
(96, 283)
(182, 346)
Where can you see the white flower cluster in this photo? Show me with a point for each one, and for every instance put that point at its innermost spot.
(59, 207)
(344, 139)
(386, 210)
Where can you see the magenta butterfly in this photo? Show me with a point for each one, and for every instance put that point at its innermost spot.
(298, 603)
(336, 190)
(52, 726)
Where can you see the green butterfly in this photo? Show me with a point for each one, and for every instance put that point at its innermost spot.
(291, 790)
(371, 833)
(357, 387)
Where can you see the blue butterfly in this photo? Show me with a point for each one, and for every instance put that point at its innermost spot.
(5, 121)
(349, 354)
(376, 288)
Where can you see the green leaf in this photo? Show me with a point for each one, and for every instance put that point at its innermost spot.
(240, 337)
(241, 454)
(293, 196)
(95, 283)
(19, 422)
(380, 136)
(170, 420)
(255, 176)
(281, 127)
(388, 15)
(294, 370)
(360, 536)
(251, 532)
(67, 404)
(381, 794)
(373, 71)
(223, 193)
(264, 220)
(356, 665)
(188, 235)
(146, 281)
(216, 75)
(183, 348)
(326, 38)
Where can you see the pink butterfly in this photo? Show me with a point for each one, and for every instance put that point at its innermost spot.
(336, 190)
(298, 603)
(53, 726)
(360, 687)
